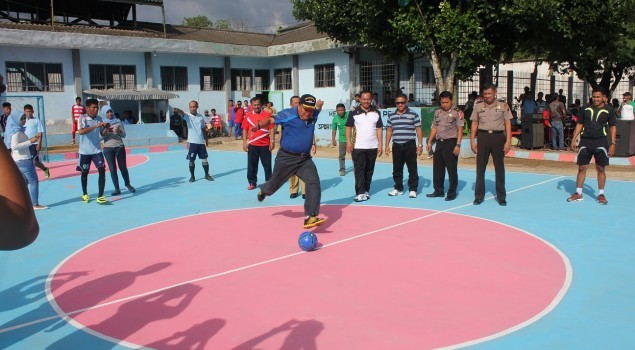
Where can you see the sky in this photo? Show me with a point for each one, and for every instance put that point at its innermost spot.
(265, 17)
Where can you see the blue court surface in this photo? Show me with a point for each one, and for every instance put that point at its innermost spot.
(595, 309)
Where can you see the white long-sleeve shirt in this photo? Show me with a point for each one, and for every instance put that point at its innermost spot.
(20, 146)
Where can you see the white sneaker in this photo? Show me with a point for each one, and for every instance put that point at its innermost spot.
(360, 198)
(395, 193)
(412, 194)
(367, 195)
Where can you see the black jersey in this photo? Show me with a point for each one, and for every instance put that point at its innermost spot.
(596, 120)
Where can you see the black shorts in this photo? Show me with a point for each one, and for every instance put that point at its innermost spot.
(85, 159)
(34, 153)
(196, 149)
(593, 148)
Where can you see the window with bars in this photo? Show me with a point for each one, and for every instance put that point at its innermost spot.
(283, 79)
(261, 79)
(241, 79)
(212, 79)
(173, 78)
(324, 75)
(427, 75)
(366, 76)
(104, 76)
(34, 76)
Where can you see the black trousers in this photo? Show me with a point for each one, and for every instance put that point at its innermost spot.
(364, 165)
(255, 153)
(490, 144)
(302, 165)
(444, 158)
(117, 156)
(405, 153)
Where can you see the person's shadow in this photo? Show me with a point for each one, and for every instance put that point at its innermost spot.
(134, 315)
(570, 187)
(103, 288)
(30, 291)
(302, 336)
(194, 338)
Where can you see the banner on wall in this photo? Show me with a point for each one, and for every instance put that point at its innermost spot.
(323, 128)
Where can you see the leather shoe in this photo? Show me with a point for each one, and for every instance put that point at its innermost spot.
(293, 195)
(502, 202)
(450, 198)
(478, 201)
(434, 195)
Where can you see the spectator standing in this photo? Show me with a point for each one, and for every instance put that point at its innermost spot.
(491, 124)
(592, 129)
(258, 144)
(33, 127)
(4, 118)
(447, 130)
(176, 123)
(20, 151)
(627, 108)
(115, 150)
(557, 112)
(338, 127)
(196, 140)
(404, 129)
(562, 98)
(368, 144)
(239, 115)
(77, 111)
(90, 128)
(231, 115)
(541, 104)
(217, 125)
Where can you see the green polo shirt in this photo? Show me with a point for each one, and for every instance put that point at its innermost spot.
(340, 123)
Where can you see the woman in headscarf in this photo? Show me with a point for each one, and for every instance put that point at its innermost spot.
(114, 149)
(22, 156)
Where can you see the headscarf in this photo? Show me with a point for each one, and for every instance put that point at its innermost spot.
(104, 110)
(13, 126)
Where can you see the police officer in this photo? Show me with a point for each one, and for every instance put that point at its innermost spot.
(447, 129)
(491, 123)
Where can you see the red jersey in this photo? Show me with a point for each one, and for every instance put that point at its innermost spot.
(78, 111)
(240, 115)
(259, 137)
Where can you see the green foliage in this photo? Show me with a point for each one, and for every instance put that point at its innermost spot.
(223, 24)
(200, 21)
(595, 38)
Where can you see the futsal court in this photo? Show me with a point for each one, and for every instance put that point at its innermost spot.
(204, 265)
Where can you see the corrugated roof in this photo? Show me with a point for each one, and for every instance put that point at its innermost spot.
(299, 33)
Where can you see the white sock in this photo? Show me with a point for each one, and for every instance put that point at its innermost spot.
(601, 191)
(578, 190)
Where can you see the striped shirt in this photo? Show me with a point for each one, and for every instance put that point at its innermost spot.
(403, 125)
(78, 111)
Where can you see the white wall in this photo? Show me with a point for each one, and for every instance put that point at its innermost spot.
(332, 95)
(57, 104)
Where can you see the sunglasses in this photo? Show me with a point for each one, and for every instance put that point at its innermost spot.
(400, 103)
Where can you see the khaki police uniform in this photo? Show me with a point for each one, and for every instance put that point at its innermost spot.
(447, 126)
(491, 140)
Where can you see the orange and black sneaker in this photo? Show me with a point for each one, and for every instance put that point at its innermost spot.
(576, 197)
(313, 221)
(602, 200)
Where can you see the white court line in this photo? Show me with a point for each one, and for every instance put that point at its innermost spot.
(65, 315)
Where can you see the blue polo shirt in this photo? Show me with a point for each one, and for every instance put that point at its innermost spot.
(33, 126)
(297, 134)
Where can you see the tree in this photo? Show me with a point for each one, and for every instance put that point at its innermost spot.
(457, 36)
(591, 37)
(223, 24)
(200, 21)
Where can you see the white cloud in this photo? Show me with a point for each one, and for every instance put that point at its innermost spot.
(261, 16)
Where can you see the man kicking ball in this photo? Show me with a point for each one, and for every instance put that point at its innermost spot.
(294, 157)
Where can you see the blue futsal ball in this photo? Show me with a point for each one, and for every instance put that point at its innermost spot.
(308, 241)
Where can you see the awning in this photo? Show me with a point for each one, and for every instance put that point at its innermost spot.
(132, 95)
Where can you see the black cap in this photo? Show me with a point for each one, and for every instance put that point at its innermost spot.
(627, 94)
(308, 101)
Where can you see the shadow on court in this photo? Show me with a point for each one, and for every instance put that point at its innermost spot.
(569, 187)
(195, 337)
(302, 336)
(167, 183)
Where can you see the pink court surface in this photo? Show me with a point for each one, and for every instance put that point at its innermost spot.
(248, 286)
